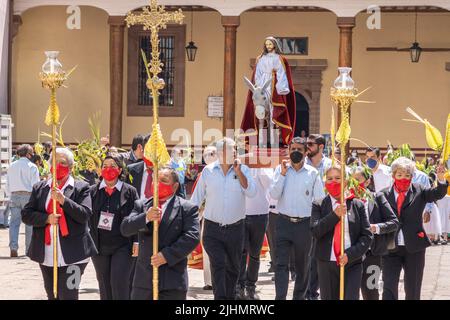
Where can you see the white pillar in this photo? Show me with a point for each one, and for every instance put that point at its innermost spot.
(4, 54)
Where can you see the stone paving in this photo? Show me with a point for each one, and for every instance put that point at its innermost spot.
(20, 278)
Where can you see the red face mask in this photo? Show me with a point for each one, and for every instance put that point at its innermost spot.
(402, 185)
(148, 163)
(110, 173)
(61, 171)
(165, 190)
(333, 188)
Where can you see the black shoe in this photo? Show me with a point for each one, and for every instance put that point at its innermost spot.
(251, 294)
(14, 254)
(444, 242)
(293, 276)
(240, 293)
(2, 226)
(273, 278)
(207, 287)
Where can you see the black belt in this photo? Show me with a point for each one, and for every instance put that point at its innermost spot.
(291, 219)
(225, 226)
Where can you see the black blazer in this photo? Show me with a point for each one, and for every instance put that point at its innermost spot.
(78, 244)
(380, 213)
(136, 171)
(323, 220)
(128, 195)
(411, 221)
(179, 234)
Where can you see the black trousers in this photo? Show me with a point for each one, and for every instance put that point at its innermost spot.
(224, 246)
(147, 294)
(133, 269)
(412, 264)
(272, 239)
(255, 228)
(113, 274)
(69, 279)
(329, 279)
(371, 277)
(298, 236)
(313, 286)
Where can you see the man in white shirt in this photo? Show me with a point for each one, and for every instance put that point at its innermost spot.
(315, 144)
(382, 176)
(224, 184)
(257, 212)
(22, 175)
(295, 185)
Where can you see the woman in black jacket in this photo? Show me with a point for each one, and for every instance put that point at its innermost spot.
(112, 201)
(383, 224)
(325, 227)
(74, 243)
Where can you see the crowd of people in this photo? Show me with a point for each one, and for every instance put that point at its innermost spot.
(392, 213)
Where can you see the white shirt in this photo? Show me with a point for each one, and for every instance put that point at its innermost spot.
(347, 240)
(118, 185)
(297, 190)
(225, 197)
(143, 183)
(260, 203)
(48, 254)
(22, 175)
(273, 205)
(382, 178)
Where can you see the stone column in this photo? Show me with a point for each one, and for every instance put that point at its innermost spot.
(116, 46)
(230, 23)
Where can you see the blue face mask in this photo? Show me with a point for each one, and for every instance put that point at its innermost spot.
(371, 163)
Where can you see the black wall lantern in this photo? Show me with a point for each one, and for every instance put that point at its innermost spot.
(415, 49)
(191, 48)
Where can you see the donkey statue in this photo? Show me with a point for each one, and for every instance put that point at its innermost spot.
(261, 101)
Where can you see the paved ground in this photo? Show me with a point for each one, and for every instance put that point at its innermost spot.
(20, 278)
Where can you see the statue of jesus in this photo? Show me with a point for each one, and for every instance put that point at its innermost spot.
(272, 74)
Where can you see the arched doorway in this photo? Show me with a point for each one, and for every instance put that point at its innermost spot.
(302, 115)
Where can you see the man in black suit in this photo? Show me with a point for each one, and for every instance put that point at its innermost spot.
(179, 234)
(74, 242)
(408, 253)
(325, 222)
(136, 153)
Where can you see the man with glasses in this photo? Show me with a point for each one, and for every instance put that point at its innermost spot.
(295, 185)
(315, 145)
(224, 184)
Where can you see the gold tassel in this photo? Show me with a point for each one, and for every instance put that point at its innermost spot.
(52, 116)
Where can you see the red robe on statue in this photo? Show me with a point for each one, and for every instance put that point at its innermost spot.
(283, 108)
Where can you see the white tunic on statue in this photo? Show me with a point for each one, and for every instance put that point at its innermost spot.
(268, 63)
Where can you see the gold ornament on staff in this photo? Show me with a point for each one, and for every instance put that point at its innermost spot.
(155, 18)
(344, 94)
(52, 78)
